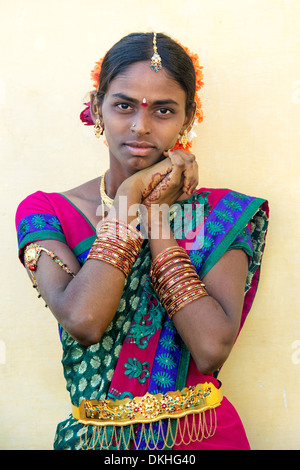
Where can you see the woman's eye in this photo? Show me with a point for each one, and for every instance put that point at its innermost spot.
(164, 111)
(123, 106)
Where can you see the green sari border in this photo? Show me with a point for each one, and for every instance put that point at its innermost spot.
(241, 245)
(80, 248)
(246, 216)
(84, 245)
(42, 235)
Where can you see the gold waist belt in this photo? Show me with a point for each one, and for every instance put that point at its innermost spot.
(149, 409)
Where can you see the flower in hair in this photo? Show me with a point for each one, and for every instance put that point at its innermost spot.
(96, 72)
(199, 112)
(85, 115)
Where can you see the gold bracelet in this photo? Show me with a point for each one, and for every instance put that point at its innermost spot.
(169, 281)
(185, 302)
(176, 285)
(118, 244)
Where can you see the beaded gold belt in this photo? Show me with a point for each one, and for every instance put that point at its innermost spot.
(153, 408)
(148, 408)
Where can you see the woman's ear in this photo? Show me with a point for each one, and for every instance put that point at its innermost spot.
(189, 119)
(95, 108)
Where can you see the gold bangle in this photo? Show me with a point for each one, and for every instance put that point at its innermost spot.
(168, 254)
(118, 244)
(183, 303)
(168, 250)
(172, 280)
(175, 268)
(124, 267)
(176, 285)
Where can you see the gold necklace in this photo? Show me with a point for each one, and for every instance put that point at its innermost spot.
(104, 197)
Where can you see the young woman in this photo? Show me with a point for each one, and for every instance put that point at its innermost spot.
(149, 278)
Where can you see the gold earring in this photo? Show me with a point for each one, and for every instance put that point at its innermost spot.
(183, 139)
(98, 128)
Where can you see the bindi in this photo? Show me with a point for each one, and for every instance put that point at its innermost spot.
(144, 103)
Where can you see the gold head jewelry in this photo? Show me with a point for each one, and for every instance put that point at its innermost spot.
(155, 63)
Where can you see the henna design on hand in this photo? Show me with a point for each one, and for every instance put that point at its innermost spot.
(156, 179)
(154, 191)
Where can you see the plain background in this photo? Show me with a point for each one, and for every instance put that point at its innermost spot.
(249, 141)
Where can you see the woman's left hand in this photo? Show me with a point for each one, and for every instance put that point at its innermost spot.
(183, 178)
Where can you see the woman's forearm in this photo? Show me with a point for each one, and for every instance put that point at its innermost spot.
(86, 305)
(89, 302)
(207, 330)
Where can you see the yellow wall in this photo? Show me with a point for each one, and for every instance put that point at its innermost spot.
(249, 141)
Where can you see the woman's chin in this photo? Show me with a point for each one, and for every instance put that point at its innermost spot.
(137, 163)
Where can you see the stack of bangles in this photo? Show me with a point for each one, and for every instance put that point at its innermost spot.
(118, 244)
(175, 280)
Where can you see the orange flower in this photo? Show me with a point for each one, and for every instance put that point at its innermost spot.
(199, 81)
(95, 73)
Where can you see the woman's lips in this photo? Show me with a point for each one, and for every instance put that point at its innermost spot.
(139, 148)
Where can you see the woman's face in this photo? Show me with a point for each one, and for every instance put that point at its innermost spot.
(143, 113)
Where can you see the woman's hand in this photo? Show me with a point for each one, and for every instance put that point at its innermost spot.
(179, 175)
(164, 182)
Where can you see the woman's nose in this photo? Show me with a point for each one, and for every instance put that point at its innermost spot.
(141, 124)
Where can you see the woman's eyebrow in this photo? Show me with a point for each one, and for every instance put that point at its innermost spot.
(121, 96)
(165, 102)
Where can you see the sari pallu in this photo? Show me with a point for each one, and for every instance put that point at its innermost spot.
(141, 352)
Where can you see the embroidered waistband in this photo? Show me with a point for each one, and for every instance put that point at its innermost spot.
(149, 408)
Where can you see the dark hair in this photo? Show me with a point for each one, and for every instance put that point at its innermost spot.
(138, 47)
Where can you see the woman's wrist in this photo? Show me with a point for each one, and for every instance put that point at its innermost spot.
(131, 191)
(126, 206)
(160, 234)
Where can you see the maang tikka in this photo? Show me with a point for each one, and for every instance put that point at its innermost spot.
(155, 63)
